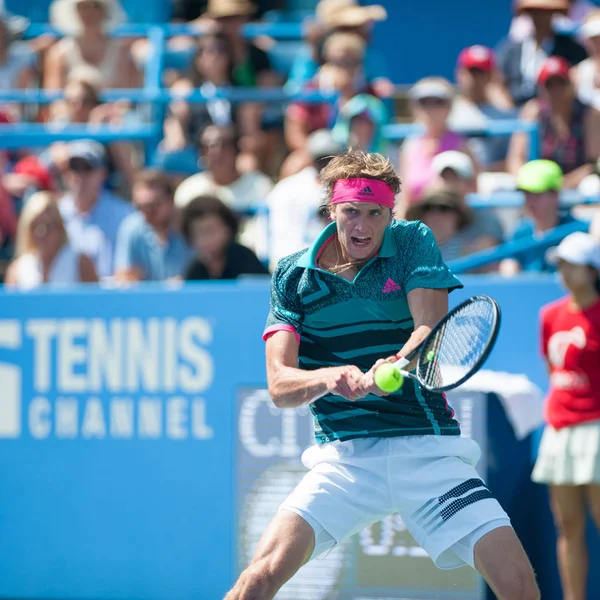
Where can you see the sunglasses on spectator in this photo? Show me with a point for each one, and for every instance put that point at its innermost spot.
(345, 63)
(213, 49)
(79, 165)
(441, 208)
(556, 82)
(42, 229)
(435, 102)
(217, 143)
(476, 71)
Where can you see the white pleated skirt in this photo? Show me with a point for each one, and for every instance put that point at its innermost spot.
(569, 456)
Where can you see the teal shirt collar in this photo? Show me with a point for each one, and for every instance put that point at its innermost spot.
(309, 259)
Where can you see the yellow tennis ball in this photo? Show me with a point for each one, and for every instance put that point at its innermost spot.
(388, 378)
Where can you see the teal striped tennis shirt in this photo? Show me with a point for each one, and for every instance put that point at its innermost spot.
(340, 322)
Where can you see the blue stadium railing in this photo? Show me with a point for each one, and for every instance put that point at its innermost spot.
(514, 249)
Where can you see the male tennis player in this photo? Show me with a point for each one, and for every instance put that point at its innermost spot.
(368, 287)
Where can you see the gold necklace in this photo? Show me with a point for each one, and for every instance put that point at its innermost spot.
(335, 269)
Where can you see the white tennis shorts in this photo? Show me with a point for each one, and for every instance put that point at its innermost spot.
(430, 481)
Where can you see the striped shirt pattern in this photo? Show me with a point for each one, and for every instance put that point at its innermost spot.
(339, 322)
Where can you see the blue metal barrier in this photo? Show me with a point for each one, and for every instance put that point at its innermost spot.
(282, 31)
(400, 131)
(516, 200)
(515, 248)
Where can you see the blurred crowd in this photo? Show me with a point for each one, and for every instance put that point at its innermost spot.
(234, 186)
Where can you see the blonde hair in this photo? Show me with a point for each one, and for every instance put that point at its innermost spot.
(37, 204)
(441, 81)
(356, 163)
(344, 41)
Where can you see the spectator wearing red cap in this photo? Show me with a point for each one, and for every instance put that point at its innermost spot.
(569, 130)
(476, 106)
(520, 61)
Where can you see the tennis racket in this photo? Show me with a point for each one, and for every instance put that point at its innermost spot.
(457, 346)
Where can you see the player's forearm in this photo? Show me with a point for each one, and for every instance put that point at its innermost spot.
(418, 335)
(291, 387)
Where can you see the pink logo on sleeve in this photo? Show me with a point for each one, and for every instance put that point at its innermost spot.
(390, 286)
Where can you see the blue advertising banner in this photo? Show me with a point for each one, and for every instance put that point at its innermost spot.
(141, 458)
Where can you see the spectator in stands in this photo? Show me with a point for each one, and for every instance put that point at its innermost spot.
(456, 171)
(541, 182)
(211, 229)
(92, 215)
(213, 67)
(360, 115)
(445, 212)
(44, 255)
(17, 60)
(360, 123)
(473, 107)
(219, 151)
(431, 104)
(149, 248)
(295, 219)
(252, 66)
(520, 61)
(8, 218)
(586, 75)
(82, 104)
(343, 16)
(85, 25)
(522, 26)
(569, 454)
(569, 130)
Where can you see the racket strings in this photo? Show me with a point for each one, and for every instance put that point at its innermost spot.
(459, 345)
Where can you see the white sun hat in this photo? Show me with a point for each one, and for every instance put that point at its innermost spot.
(64, 17)
(578, 248)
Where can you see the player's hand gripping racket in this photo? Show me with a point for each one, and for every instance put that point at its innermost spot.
(455, 349)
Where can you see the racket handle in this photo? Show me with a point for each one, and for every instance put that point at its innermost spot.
(401, 363)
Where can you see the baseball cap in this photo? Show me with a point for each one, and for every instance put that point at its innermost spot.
(577, 248)
(553, 66)
(538, 176)
(430, 89)
(321, 143)
(92, 152)
(459, 162)
(477, 57)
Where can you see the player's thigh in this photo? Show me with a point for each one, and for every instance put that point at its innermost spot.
(568, 504)
(285, 546)
(501, 559)
(593, 497)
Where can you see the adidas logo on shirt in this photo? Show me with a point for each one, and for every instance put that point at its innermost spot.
(366, 191)
(390, 286)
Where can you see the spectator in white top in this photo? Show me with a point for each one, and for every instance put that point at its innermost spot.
(295, 219)
(219, 153)
(242, 192)
(44, 255)
(92, 215)
(85, 24)
(586, 75)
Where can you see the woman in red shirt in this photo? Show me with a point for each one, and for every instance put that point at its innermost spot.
(569, 455)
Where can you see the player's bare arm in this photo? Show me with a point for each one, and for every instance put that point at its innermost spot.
(290, 387)
(427, 307)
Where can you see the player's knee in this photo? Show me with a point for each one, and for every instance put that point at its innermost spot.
(518, 584)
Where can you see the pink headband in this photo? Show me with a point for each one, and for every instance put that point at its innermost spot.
(360, 189)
